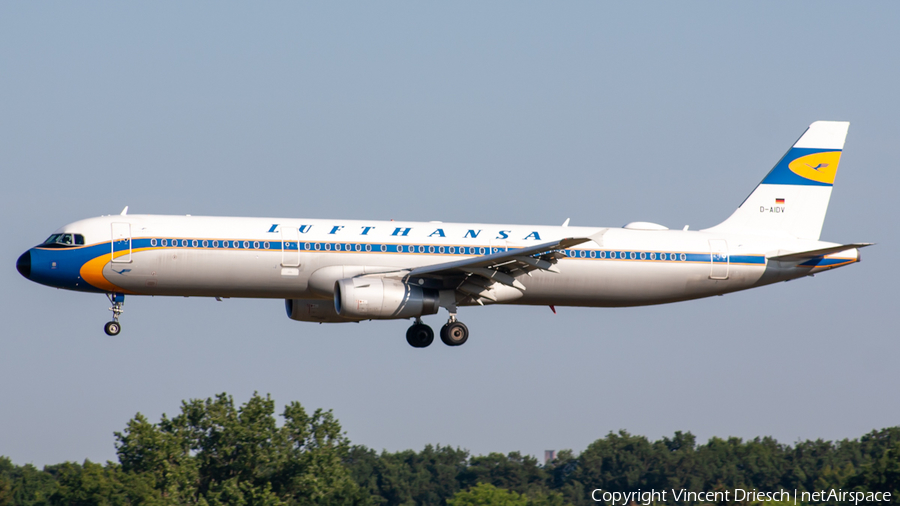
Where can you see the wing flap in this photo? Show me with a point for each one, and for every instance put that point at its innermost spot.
(537, 263)
(495, 275)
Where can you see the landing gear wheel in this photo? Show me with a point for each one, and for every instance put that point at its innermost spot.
(112, 328)
(116, 299)
(419, 335)
(454, 333)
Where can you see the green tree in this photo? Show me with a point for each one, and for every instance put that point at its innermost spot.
(311, 451)
(515, 472)
(90, 484)
(30, 486)
(617, 462)
(881, 474)
(160, 455)
(6, 498)
(485, 494)
(426, 478)
(214, 453)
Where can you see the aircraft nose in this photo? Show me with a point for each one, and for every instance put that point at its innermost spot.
(23, 264)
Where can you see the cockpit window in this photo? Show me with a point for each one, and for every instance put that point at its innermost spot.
(64, 241)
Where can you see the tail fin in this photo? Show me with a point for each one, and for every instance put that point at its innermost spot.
(793, 198)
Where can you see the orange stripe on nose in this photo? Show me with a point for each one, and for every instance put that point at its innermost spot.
(92, 272)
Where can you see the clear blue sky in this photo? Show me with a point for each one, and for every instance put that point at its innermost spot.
(509, 112)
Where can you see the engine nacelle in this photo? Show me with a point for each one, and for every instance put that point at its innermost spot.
(314, 310)
(371, 298)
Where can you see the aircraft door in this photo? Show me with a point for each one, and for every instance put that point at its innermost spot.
(290, 247)
(120, 246)
(718, 259)
(498, 245)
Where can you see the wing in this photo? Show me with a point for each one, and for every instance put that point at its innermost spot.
(476, 277)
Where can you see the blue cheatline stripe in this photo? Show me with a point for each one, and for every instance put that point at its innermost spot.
(63, 264)
(426, 249)
(748, 259)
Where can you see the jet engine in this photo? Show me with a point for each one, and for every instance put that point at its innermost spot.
(314, 310)
(380, 298)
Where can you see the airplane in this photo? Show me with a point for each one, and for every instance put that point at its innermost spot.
(332, 271)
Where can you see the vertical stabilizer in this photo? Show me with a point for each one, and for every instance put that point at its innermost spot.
(793, 198)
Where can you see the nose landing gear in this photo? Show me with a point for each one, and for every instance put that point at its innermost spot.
(112, 328)
(117, 300)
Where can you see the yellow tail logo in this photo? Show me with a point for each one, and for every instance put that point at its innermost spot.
(819, 167)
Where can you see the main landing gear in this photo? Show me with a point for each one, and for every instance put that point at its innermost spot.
(117, 300)
(454, 333)
(419, 335)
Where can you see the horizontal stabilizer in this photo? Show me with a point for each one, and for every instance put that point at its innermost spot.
(805, 255)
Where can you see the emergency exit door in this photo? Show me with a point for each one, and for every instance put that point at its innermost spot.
(290, 247)
(718, 259)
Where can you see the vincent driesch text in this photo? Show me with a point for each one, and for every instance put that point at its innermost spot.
(646, 498)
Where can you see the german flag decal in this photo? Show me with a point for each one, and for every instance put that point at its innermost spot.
(779, 201)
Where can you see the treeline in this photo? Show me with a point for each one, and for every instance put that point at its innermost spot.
(216, 453)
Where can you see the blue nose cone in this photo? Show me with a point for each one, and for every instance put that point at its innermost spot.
(23, 264)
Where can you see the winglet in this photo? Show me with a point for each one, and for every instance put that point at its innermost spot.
(598, 237)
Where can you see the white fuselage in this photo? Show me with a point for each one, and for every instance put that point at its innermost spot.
(280, 258)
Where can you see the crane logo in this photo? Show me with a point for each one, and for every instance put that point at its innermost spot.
(818, 167)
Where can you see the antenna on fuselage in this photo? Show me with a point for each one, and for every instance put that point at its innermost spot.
(124, 211)
(566, 223)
